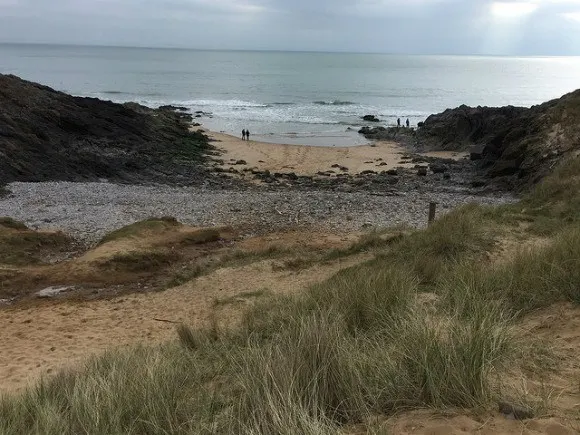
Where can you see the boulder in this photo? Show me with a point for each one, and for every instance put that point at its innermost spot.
(438, 168)
(371, 118)
(422, 172)
(504, 167)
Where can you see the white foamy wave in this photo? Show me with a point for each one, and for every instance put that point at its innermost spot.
(220, 103)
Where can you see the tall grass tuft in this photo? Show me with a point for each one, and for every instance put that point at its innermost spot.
(533, 278)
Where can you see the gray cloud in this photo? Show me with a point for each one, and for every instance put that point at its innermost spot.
(392, 26)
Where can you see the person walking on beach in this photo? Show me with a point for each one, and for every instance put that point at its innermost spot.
(398, 122)
(247, 134)
(408, 123)
(244, 134)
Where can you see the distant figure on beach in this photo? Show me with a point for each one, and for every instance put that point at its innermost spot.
(398, 122)
(408, 123)
(247, 134)
(244, 134)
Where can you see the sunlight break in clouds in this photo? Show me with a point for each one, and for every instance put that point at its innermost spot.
(512, 9)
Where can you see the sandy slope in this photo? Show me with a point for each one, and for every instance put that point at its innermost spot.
(308, 160)
(40, 338)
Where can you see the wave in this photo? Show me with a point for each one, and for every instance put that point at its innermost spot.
(222, 103)
(334, 103)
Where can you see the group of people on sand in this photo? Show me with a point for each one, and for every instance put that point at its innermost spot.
(245, 134)
(399, 123)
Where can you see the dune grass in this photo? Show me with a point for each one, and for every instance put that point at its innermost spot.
(20, 246)
(139, 227)
(140, 261)
(365, 342)
(356, 345)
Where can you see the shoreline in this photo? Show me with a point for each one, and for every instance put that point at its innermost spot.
(311, 160)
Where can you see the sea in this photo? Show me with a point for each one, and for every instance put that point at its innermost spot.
(293, 97)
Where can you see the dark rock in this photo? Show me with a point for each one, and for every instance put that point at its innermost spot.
(422, 171)
(343, 168)
(173, 108)
(476, 153)
(51, 136)
(371, 118)
(509, 141)
(446, 176)
(478, 183)
(383, 164)
(504, 167)
(241, 162)
(368, 172)
(437, 168)
(515, 411)
(392, 172)
(336, 165)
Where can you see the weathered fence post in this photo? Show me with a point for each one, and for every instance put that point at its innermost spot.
(432, 211)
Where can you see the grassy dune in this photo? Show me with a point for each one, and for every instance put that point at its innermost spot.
(431, 322)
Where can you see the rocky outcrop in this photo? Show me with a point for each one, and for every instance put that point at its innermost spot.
(520, 145)
(371, 118)
(48, 135)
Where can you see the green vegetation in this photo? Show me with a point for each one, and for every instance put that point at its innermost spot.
(20, 246)
(429, 322)
(8, 222)
(139, 228)
(137, 261)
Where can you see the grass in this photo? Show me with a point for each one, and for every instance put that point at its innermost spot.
(20, 246)
(533, 278)
(351, 347)
(136, 262)
(8, 222)
(139, 228)
(361, 344)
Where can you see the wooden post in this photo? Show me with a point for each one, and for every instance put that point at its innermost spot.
(432, 211)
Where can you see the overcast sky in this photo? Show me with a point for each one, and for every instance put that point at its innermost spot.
(526, 27)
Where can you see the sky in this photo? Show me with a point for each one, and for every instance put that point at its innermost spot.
(496, 27)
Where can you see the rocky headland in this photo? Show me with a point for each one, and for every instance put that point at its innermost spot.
(513, 146)
(47, 135)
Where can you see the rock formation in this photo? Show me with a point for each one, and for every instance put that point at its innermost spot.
(48, 135)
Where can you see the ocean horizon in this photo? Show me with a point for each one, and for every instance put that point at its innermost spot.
(311, 98)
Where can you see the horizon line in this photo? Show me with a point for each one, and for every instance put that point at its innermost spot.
(271, 50)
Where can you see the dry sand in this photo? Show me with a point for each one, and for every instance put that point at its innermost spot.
(308, 160)
(41, 338)
(38, 340)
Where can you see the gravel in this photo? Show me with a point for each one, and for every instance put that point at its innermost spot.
(88, 211)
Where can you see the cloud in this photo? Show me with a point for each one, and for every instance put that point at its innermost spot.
(398, 26)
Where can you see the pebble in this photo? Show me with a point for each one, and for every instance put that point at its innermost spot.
(88, 211)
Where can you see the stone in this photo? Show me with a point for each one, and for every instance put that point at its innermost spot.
(371, 118)
(504, 167)
(422, 172)
(437, 168)
(50, 292)
(516, 412)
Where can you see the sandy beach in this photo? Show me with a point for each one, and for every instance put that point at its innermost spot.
(309, 160)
